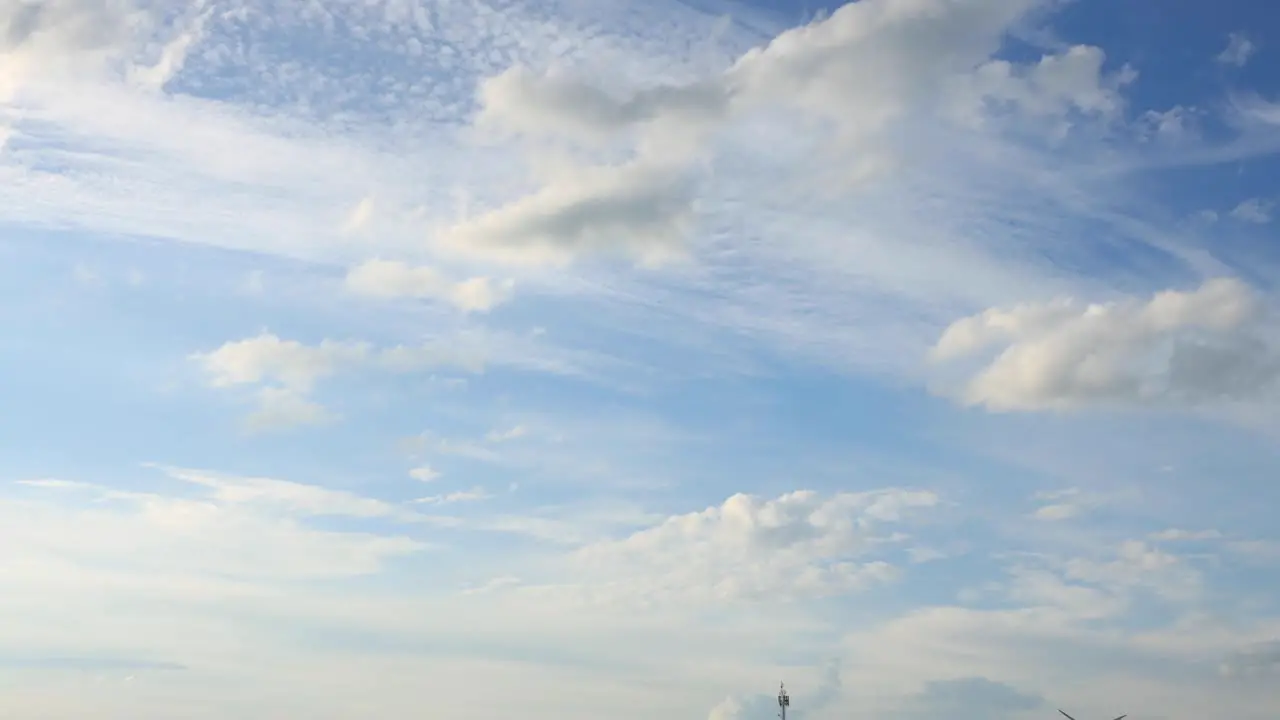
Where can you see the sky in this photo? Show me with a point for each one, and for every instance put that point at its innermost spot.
(625, 358)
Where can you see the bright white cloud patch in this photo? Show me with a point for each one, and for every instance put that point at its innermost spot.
(1190, 347)
(57, 36)
(799, 545)
(424, 473)
(285, 371)
(267, 358)
(392, 279)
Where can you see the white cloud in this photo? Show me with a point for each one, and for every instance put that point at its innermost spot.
(391, 279)
(1253, 210)
(360, 216)
(563, 105)
(1238, 51)
(286, 371)
(1178, 347)
(53, 484)
(1179, 535)
(280, 182)
(1057, 511)
(1066, 504)
(1138, 566)
(54, 37)
(475, 494)
(642, 211)
(1056, 86)
(424, 473)
(293, 497)
(864, 73)
(1071, 619)
(282, 408)
(243, 529)
(514, 432)
(1107, 584)
(799, 545)
(267, 358)
(1178, 124)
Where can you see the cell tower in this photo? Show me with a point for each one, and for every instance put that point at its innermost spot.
(784, 701)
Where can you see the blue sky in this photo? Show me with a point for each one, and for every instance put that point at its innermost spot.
(621, 359)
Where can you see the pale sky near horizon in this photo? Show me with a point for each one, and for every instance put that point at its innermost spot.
(620, 359)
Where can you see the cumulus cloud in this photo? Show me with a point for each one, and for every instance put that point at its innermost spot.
(1054, 87)
(424, 473)
(1187, 347)
(394, 279)
(522, 100)
(267, 358)
(1253, 210)
(641, 211)
(286, 371)
(865, 65)
(44, 40)
(862, 73)
(51, 36)
(798, 545)
(1238, 50)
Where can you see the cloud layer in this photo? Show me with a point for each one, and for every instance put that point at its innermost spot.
(1178, 347)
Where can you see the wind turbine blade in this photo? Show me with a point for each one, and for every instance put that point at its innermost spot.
(1122, 717)
(1064, 714)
